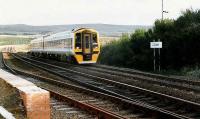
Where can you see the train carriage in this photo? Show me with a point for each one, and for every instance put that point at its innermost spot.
(80, 45)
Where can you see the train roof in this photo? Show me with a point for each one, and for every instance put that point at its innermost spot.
(62, 35)
(82, 29)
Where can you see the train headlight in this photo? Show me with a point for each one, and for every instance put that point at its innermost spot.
(77, 47)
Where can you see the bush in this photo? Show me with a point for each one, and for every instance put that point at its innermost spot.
(181, 45)
(129, 51)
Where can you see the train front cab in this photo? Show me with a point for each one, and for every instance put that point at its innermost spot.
(87, 46)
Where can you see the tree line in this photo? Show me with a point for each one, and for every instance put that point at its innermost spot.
(180, 38)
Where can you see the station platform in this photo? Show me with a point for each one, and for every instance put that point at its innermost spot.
(35, 100)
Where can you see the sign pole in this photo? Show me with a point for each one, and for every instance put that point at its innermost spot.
(159, 57)
(154, 60)
(155, 45)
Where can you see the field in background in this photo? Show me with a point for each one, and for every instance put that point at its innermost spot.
(18, 43)
(107, 40)
(14, 40)
(15, 48)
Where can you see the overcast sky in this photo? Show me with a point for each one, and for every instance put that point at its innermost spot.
(51, 12)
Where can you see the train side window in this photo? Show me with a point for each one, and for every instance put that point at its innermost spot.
(78, 41)
(94, 41)
(70, 43)
(65, 43)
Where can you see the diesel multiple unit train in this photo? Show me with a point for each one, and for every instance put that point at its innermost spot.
(81, 46)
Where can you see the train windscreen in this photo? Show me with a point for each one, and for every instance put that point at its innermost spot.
(78, 41)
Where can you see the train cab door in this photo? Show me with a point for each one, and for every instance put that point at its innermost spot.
(87, 47)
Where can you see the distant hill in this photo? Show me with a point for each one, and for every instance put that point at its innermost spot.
(104, 29)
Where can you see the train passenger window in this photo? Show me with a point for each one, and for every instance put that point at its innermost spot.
(64, 43)
(78, 41)
(70, 43)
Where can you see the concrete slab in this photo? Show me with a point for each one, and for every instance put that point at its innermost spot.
(5, 114)
(35, 99)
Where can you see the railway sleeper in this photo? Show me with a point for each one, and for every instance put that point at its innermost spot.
(88, 101)
(65, 109)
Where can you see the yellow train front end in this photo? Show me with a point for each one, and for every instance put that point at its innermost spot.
(86, 45)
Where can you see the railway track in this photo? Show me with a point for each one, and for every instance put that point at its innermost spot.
(97, 106)
(187, 91)
(127, 71)
(132, 71)
(165, 104)
(129, 76)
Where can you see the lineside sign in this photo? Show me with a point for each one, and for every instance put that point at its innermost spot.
(155, 44)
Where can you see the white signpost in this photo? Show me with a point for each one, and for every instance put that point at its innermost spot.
(155, 45)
